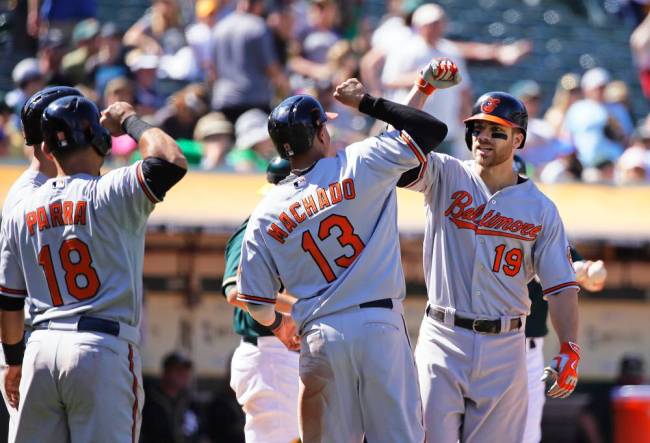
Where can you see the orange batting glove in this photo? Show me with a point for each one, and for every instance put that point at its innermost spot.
(563, 371)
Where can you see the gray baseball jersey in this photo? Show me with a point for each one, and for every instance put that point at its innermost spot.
(80, 240)
(315, 232)
(481, 249)
(28, 181)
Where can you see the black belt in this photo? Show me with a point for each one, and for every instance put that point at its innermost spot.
(531, 343)
(88, 324)
(473, 324)
(386, 303)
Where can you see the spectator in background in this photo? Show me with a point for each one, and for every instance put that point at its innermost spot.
(451, 105)
(199, 34)
(159, 31)
(144, 67)
(617, 102)
(396, 29)
(44, 16)
(50, 54)
(280, 19)
(214, 132)
(170, 414)
(84, 39)
(245, 61)
(567, 92)
(633, 167)
(108, 62)
(253, 146)
(640, 45)
(183, 110)
(631, 370)
(309, 57)
(5, 127)
(594, 132)
(542, 146)
(28, 79)
(120, 89)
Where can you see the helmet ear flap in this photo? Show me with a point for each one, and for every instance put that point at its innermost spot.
(100, 139)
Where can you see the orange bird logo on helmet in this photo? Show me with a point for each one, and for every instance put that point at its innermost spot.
(489, 105)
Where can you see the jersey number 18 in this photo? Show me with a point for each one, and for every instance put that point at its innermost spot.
(74, 267)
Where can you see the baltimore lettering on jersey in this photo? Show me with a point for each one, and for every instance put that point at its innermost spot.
(309, 206)
(465, 216)
(57, 214)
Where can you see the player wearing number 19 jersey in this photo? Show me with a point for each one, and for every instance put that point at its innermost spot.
(76, 248)
(489, 231)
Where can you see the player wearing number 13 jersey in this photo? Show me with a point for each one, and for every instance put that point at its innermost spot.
(75, 248)
(489, 231)
(328, 232)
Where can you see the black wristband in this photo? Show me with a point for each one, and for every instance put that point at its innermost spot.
(277, 322)
(14, 353)
(135, 127)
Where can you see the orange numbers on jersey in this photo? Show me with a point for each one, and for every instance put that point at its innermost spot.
(513, 260)
(76, 262)
(347, 237)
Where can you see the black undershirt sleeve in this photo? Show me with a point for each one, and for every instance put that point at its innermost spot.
(426, 130)
(161, 175)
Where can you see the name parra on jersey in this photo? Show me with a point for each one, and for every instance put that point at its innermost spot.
(77, 245)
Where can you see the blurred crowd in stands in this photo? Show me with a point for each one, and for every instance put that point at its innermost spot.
(210, 75)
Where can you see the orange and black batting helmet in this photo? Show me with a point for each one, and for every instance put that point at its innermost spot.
(497, 107)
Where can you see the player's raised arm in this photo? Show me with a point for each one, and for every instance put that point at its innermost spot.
(440, 73)
(163, 162)
(120, 118)
(425, 129)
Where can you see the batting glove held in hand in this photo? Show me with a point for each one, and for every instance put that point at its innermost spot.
(563, 371)
(441, 73)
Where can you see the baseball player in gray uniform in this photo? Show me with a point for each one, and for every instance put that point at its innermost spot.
(75, 249)
(40, 169)
(489, 231)
(329, 233)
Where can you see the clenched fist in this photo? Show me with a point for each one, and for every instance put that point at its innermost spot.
(440, 73)
(350, 92)
(287, 333)
(114, 116)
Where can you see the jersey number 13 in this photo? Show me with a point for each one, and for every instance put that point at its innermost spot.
(346, 238)
(76, 263)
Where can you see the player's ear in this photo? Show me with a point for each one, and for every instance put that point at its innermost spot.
(46, 150)
(518, 138)
(321, 133)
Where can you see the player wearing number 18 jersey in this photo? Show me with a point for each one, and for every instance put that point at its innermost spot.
(76, 248)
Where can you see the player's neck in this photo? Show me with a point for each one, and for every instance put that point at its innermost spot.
(497, 177)
(82, 162)
(306, 160)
